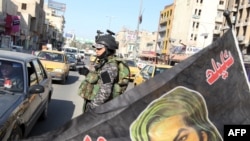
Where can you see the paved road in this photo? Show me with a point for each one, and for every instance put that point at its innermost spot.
(64, 106)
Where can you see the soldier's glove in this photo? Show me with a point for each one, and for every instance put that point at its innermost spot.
(83, 71)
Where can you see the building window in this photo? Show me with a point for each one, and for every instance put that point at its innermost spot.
(221, 2)
(24, 6)
(244, 30)
(197, 25)
(193, 24)
(242, 2)
(195, 37)
(199, 12)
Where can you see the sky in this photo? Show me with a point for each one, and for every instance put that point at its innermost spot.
(85, 17)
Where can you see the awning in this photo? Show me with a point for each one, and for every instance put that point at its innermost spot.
(148, 54)
(178, 57)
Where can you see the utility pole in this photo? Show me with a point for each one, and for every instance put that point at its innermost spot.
(136, 45)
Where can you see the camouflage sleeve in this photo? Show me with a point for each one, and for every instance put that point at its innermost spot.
(108, 74)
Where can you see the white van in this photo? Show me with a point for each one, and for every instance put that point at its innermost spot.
(82, 53)
(73, 50)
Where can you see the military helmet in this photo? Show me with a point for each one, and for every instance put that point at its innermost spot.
(107, 40)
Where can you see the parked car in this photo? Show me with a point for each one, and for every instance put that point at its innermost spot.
(56, 63)
(74, 50)
(133, 68)
(82, 53)
(25, 97)
(72, 60)
(149, 71)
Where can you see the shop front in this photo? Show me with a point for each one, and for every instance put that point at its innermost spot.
(148, 56)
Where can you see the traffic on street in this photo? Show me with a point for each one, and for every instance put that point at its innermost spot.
(113, 71)
(65, 103)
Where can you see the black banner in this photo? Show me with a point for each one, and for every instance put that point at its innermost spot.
(193, 100)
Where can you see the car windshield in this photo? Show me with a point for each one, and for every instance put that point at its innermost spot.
(74, 51)
(11, 76)
(131, 63)
(70, 50)
(51, 56)
(71, 56)
(159, 70)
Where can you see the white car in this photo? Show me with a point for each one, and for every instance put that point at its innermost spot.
(71, 50)
(82, 53)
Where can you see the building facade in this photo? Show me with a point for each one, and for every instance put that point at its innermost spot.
(24, 21)
(193, 26)
(133, 45)
(240, 16)
(164, 29)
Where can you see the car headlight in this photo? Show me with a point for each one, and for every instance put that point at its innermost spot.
(59, 70)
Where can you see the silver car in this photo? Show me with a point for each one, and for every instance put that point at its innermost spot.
(24, 96)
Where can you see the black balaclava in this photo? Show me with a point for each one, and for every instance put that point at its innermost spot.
(106, 53)
(103, 58)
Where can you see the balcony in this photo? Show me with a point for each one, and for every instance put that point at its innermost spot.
(221, 7)
(234, 9)
(160, 40)
(241, 7)
(219, 19)
(163, 21)
(216, 31)
(162, 29)
(196, 17)
(241, 38)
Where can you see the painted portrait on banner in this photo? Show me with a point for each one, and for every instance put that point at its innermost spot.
(180, 114)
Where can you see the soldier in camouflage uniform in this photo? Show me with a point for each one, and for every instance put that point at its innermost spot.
(106, 73)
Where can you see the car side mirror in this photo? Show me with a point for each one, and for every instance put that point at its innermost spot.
(36, 89)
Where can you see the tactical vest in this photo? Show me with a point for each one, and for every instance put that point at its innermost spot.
(89, 87)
